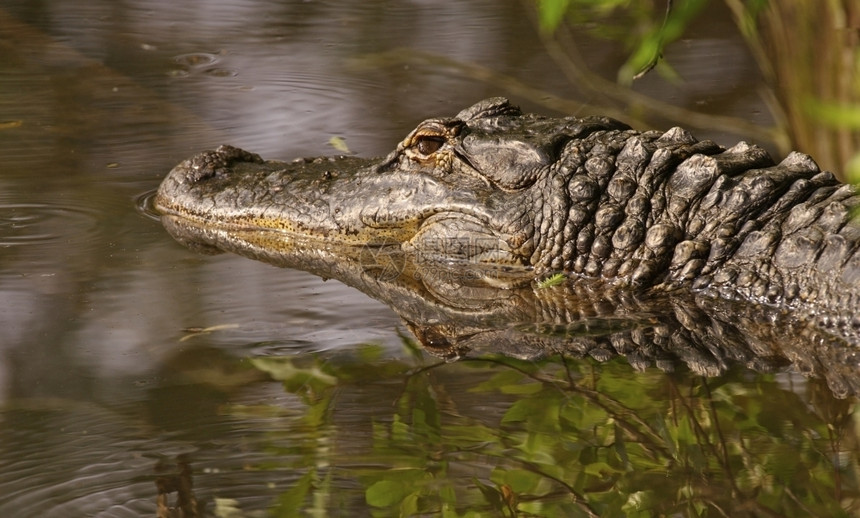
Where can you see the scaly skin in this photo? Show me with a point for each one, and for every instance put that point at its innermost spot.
(644, 211)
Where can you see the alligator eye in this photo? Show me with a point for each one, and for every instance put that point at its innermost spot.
(429, 145)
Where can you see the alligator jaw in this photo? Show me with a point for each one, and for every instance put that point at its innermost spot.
(232, 189)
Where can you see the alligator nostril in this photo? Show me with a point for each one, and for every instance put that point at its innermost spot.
(213, 163)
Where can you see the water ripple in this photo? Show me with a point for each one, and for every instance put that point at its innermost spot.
(71, 458)
(145, 205)
(199, 63)
(23, 224)
(86, 464)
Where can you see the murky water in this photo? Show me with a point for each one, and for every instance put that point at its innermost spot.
(130, 362)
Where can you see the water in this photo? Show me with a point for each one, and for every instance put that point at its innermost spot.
(125, 355)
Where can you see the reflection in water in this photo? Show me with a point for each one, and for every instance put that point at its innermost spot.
(459, 310)
(199, 63)
(577, 436)
(182, 484)
(61, 458)
(586, 440)
(354, 431)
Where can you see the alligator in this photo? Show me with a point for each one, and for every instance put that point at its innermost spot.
(537, 195)
(518, 197)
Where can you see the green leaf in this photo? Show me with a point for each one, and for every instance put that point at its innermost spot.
(386, 493)
(499, 380)
(339, 143)
(522, 388)
(282, 369)
(552, 280)
(584, 416)
(639, 501)
(599, 469)
(551, 13)
(852, 169)
(409, 505)
(835, 114)
(292, 500)
(541, 414)
(521, 480)
(369, 353)
(227, 508)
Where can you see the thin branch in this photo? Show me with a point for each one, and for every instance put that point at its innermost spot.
(592, 84)
(658, 54)
(577, 72)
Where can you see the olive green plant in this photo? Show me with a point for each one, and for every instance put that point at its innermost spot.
(644, 27)
(561, 437)
(807, 50)
(809, 53)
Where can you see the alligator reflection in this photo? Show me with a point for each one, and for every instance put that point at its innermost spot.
(461, 310)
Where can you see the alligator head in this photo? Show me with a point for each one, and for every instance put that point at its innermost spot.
(470, 187)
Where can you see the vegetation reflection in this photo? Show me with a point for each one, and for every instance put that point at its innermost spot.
(573, 438)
